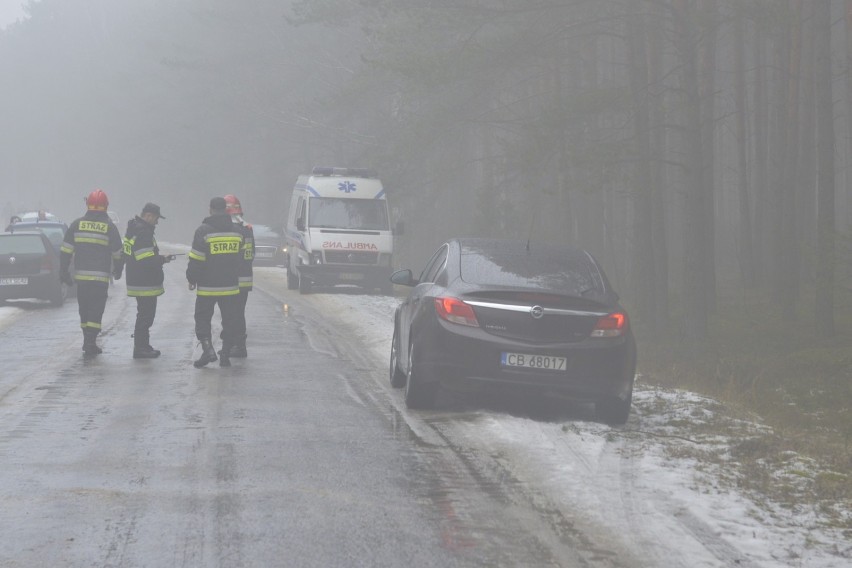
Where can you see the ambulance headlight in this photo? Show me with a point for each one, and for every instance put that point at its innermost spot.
(316, 258)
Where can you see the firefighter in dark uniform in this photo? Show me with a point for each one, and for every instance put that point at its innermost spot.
(94, 243)
(235, 210)
(144, 276)
(214, 271)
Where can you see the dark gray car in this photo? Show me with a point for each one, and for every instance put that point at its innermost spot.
(508, 314)
(29, 268)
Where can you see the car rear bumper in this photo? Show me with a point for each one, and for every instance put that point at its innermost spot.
(41, 286)
(265, 255)
(596, 369)
(358, 275)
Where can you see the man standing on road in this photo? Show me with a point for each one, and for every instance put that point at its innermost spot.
(235, 210)
(214, 269)
(144, 276)
(94, 243)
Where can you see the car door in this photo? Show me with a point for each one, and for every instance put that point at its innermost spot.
(411, 305)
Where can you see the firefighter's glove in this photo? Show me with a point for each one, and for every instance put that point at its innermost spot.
(65, 278)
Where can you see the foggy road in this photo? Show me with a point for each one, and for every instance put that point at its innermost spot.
(292, 457)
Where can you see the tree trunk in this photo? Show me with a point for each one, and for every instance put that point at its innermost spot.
(658, 179)
(707, 93)
(694, 291)
(787, 267)
(761, 157)
(824, 309)
(746, 256)
(848, 169)
(642, 257)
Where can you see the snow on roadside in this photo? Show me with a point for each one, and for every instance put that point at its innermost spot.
(679, 481)
(8, 314)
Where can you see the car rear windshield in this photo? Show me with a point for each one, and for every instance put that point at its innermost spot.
(569, 272)
(54, 233)
(21, 244)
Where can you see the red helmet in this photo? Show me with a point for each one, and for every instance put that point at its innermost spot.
(232, 205)
(97, 201)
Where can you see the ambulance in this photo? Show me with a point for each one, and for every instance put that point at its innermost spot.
(338, 231)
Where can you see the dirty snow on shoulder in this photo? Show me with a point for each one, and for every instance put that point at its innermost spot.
(669, 482)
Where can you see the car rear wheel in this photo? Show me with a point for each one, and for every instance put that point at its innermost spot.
(397, 377)
(614, 410)
(419, 393)
(59, 295)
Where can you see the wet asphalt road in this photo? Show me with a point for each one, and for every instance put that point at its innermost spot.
(296, 456)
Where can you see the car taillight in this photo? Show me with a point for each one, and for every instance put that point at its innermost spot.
(611, 325)
(47, 263)
(455, 311)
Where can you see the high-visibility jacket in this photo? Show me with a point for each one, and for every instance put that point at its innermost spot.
(142, 259)
(246, 273)
(95, 244)
(216, 257)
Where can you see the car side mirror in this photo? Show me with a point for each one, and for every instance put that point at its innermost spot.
(300, 224)
(403, 278)
(400, 228)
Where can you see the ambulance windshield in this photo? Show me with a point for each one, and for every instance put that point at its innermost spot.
(361, 214)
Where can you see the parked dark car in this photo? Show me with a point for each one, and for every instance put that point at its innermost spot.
(270, 249)
(29, 268)
(502, 313)
(54, 231)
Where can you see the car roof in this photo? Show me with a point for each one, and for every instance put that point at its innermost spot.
(513, 246)
(39, 223)
(28, 216)
(16, 233)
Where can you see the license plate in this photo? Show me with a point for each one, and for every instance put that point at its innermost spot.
(351, 276)
(528, 361)
(262, 254)
(13, 281)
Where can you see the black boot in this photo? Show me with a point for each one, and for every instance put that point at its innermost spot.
(208, 353)
(141, 348)
(90, 346)
(225, 355)
(145, 352)
(238, 350)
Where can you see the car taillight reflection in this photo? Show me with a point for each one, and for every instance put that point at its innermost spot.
(611, 325)
(455, 311)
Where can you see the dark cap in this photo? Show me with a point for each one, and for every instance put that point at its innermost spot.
(218, 204)
(152, 208)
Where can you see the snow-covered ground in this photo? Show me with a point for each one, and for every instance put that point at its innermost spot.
(683, 472)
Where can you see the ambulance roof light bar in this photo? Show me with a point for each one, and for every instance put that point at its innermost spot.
(344, 172)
